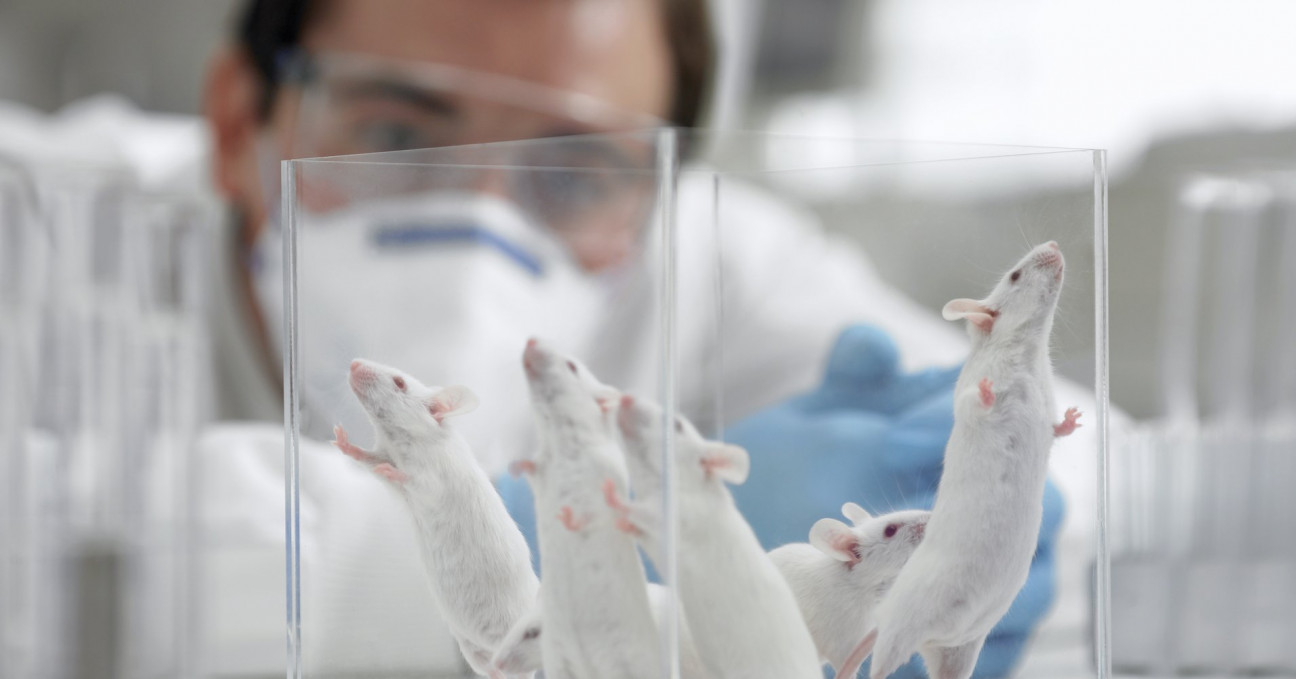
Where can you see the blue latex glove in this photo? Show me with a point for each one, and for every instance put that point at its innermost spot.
(874, 436)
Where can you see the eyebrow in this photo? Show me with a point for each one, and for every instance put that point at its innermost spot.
(418, 97)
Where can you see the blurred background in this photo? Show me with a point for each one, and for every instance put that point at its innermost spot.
(1167, 86)
(1193, 99)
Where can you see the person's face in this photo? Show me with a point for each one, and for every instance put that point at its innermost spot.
(611, 50)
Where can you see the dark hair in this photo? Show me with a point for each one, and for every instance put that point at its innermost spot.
(268, 29)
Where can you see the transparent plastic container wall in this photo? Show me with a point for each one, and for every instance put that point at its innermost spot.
(637, 365)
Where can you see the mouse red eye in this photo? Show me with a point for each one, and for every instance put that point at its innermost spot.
(891, 530)
(400, 383)
(571, 366)
(1015, 275)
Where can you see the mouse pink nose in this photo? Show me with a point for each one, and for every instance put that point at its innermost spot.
(360, 374)
(626, 416)
(533, 357)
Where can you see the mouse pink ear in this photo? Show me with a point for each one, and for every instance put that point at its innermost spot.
(975, 312)
(834, 538)
(452, 402)
(727, 461)
(855, 513)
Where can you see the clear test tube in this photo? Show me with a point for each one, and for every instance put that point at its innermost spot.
(1162, 463)
(1241, 212)
(1154, 470)
(1185, 241)
(167, 238)
(78, 473)
(22, 254)
(1271, 600)
(1281, 394)
(1219, 565)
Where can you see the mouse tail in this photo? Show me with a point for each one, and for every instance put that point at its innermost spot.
(850, 666)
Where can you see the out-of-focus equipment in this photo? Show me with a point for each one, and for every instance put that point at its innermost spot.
(1203, 546)
(102, 388)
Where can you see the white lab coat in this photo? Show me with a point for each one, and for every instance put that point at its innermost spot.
(788, 289)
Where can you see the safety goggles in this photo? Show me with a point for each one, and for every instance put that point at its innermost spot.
(592, 189)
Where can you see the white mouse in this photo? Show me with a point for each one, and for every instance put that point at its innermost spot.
(596, 616)
(742, 613)
(520, 652)
(477, 561)
(840, 577)
(984, 527)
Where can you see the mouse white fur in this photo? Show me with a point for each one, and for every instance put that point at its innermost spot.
(984, 527)
(596, 618)
(840, 577)
(476, 559)
(520, 652)
(742, 613)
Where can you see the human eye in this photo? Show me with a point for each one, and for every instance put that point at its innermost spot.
(389, 135)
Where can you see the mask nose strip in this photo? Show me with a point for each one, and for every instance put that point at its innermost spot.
(405, 236)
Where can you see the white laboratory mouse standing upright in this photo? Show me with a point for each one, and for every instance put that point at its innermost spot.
(476, 559)
(596, 618)
(840, 577)
(743, 616)
(983, 530)
(520, 652)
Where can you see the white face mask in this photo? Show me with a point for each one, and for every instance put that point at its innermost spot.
(444, 286)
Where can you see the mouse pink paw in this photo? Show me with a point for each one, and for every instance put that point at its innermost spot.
(625, 525)
(569, 520)
(987, 396)
(612, 498)
(1068, 424)
(355, 452)
(520, 467)
(390, 473)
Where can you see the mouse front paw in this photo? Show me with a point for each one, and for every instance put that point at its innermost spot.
(519, 468)
(387, 471)
(987, 396)
(1068, 424)
(569, 519)
(352, 451)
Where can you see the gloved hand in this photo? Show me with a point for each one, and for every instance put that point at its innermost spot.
(874, 436)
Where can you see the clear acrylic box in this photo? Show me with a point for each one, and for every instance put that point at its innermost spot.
(717, 276)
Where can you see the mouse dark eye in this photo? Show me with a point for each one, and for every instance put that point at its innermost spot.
(400, 383)
(679, 427)
(572, 367)
(1015, 275)
(531, 633)
(891, 530)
